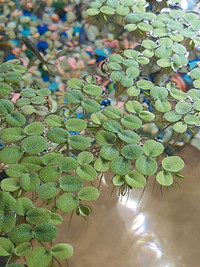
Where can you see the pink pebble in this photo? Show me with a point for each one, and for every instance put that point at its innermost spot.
(53, 27)
(36, 35)
(68, 8)
(54, 36)
(72, 62)
(16, 51)
(80, 64)
(62, 87)
(126, 43)
(55, 17)
(119, 105)
(25, 61)
(15, 97)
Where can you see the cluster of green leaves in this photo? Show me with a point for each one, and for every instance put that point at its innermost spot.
(119, 7)
(58, 158)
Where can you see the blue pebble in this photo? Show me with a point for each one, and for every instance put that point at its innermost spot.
(15, 42)
(45, 78)
(41, 45)
(42, 29)
(89, 53)
(63, 17)
(193, 63)
(53, 86)
(26, 13)
(77, 29)
(74, 133)
(26, 32)
(64, 34)
(187, 78)
(10, 57)
(65, 101)
(102, 51)
(100, 58)
(105, 103)
(79, 115)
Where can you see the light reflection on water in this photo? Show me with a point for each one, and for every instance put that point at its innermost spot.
(145, 242)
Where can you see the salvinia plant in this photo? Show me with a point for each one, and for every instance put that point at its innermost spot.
(55, 161)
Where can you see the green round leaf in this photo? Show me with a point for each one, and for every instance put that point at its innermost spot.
(71, 183)
(134, 106)
(180, 127)
(23, 204)
(32, 163)
(44, 92)
(57, 135)
(164, 62)
(131, 122)
(62, 251)
(85, 157)
(172, 116)
(10, 184)
(183, 107)
(112, 126)
(153, 148)
(45, 232)
(146, 165)
(118, 180)
(16, 119)
(13, 134)
(48, 190)
(75, 125)
(11, 154)
(164, 178)
(67, 202)
(147, 115)
(93, 11)
(86, 172)
(88, 193)
(5, 88)
(75, 83)
(162, 105)
(56, 219)
(37, 215)
(163, 52)
(40, 256)
(78, 142)
(28, 92)
(177, 94)
(54, 121)
(191, 120)
(6, 247)
(98, 118)
(23, 249)
(105, 138)
(90, 105)
(34, 144)
(30, 181)
(68, 164)
(135, 179)
(6, 106)
(107, 10)
(101, 165)
(13, 77)
(112, 112)
(159, 92)
(132, 151)
(16, 170)
(144, 85)
(122, 10)
(34, 128)
(21, 233)
(173, 163)
(129, 137)
(120, 166)
(109, 152)
(52, 158)
(74, 96)
(50, 174)
(7, 221)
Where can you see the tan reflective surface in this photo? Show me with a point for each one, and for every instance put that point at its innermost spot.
(163, 232)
